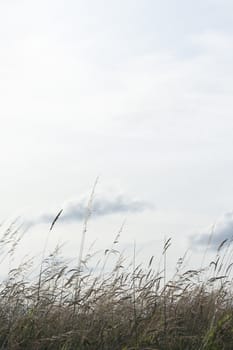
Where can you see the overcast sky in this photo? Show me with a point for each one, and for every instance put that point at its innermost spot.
(137, 92)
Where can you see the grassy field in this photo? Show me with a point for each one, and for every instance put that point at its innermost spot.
(130, 307)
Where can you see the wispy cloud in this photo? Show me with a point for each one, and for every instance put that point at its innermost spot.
(217, 233)
(75, 210)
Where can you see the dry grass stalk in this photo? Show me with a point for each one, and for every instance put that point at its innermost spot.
(125, 308)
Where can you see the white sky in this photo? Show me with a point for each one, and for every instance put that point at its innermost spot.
(138, 92)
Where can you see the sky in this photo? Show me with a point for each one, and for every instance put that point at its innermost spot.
(137, 93)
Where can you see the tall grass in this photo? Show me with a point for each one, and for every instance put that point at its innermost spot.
(127, 307)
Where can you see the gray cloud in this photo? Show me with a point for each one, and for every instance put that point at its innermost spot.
(75, 210)
(215, 235)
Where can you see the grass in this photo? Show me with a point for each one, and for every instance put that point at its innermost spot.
(130, 307)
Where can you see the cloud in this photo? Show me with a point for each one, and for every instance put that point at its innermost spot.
(75, 210)
(217, 233)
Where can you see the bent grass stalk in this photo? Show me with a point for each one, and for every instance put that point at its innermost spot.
(44, 251)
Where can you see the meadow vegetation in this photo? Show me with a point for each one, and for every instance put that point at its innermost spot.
(131, 306)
